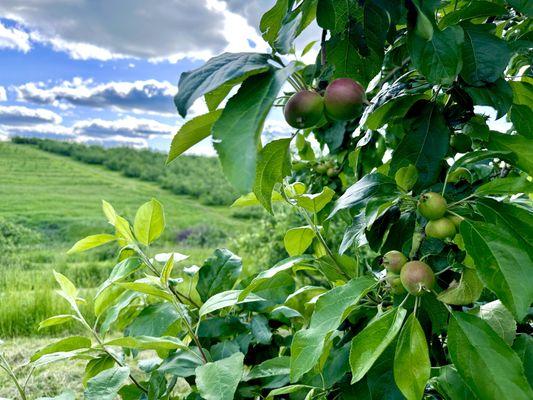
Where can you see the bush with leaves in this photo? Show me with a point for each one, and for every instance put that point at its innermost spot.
(426, 295)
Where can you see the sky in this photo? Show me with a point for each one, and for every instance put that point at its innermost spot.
(106, 71)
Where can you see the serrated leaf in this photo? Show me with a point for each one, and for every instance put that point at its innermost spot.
(518, 144)
(109, 212)
(225, 299)
(218, 380)
(317, 201)
(64, 345)
(464, 292)
(272, 20)
(368, 345)
(120, 271)
(297, 240)
(498, 95)
(216, 72)
(273, 164)
(236, 133)
(330, 310)
(148, 343)
(396, 107)
(106, 384)
(499, 318)
(218, 273)
(57, 320)
(438, 59)
(502, 263)
(191, 133)
(412, 366)
(149, 222)
(90, 242)
(146, 286)
(505, 186)
(481, 356)
(474, 9)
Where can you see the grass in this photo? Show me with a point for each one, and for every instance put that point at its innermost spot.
(56, 201)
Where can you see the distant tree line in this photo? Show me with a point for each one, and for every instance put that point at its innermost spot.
(197, 176)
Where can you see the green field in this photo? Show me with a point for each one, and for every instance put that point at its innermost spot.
(55, 201)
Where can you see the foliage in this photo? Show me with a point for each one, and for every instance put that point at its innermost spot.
(324, 322)
(196, 176)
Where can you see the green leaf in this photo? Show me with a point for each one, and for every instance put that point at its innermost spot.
(147, 286)
(284, 43)
(66, 285)
(464, 292)
(215, 97)
(519, 145)
(503, 186)
(225, 299)
(412, 366)
(297, 240)
(123, 229)
(149, 222)
(335, 14)
(109, 212)
(113, 312)
(317, 201)
(438, 59)
(154, 320)
(57, 320)
(216, 72)
(273, 164)
(424, 26)
(272, 20)
(120, 271)
(288, 390)
(148, 343)
(218, 380)
(479, 155)
(514, 219)
(502, 263)
(406, 177)
(497, 95)
(474, 9)
(368, 345)
(499, 318)
(66, 395)
(424, 145)
(371, 187)
(481, 356)
(97, 365)
(524, 6)
(344, 56)
(331, 309)
(522, 118)
(272, 367)
(63, 346)
(485, 56)
(218, 273)
(396, 107)
(375, 24)
(106, 384)
(522, 91)
(236, 133)
(192, 132)
(449, 384)
(263, 277)
(90, 242)
(523, 346)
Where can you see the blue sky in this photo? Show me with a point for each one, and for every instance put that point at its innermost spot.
(105, 72)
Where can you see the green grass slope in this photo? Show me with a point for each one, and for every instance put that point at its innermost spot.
(47, 202)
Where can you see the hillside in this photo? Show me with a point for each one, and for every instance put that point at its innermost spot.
(47, 202)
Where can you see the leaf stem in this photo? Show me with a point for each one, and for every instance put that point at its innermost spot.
(4, 364)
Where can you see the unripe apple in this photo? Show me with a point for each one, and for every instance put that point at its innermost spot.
(332, 172)
(461, 143)
(417, 277)
(456, 219)
(393, 261)
(395, 283)
(432, 205)
(304, 109)
(441, 228)
(321, 168)
(343, 98)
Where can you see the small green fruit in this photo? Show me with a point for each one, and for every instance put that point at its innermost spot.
(304, 109)
(393, 261)
(461, 143)
(321, 168)
(442, 228)
(417, 278)
(332, 172)
(459, 174)
(432, 205)
(395, 283)
(343, 98)
(456, 219)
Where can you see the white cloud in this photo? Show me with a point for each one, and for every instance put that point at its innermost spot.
(128, 127)
(14, 38)
(18, 115)
(166, 29)
(149, 96)
(3, 94)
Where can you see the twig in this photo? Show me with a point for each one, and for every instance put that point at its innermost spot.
(323, 58)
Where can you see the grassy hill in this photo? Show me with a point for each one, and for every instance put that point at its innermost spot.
(47, 202)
